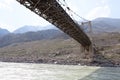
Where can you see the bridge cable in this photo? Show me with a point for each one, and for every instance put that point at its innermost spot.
(73, 11)
(37, 3)
(82, 23)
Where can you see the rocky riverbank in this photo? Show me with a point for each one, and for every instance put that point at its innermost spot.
(64, 51)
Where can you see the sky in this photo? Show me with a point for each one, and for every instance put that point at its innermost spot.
(13, 15)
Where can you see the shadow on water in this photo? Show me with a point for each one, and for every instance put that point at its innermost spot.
(108, 73)
(108, 70)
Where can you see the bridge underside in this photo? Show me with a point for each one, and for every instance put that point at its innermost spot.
(55, 14)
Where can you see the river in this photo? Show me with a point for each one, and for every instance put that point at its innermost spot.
(30, 71)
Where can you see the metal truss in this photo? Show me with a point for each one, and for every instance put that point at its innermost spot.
(52, 11)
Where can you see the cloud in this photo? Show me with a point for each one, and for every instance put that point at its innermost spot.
(6, 4)
(102, 10)
(9, 1)
(99, 12)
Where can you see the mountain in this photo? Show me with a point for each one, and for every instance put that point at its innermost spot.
(106, 25)
(3, 32)
(25, 29)
(99, 25)
(32, 36)
(32, 33)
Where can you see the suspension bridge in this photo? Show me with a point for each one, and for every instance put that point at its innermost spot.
(53, 12)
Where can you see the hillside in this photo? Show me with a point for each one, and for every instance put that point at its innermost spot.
(54, 46)
(31, 36)
(3, 32)
(100, 25)
(64, 51)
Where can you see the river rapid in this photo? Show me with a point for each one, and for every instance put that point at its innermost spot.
(30, 71)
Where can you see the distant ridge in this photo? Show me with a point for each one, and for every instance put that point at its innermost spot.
(32, 33)
(106, 25)
(25, 29)
(3, 32)
(32, 36)
(99, 25)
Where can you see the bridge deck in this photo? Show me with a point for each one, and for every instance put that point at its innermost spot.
(55, 14)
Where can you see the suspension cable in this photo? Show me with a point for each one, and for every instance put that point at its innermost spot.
(71, 12)
(37, 3)
(68, 8)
